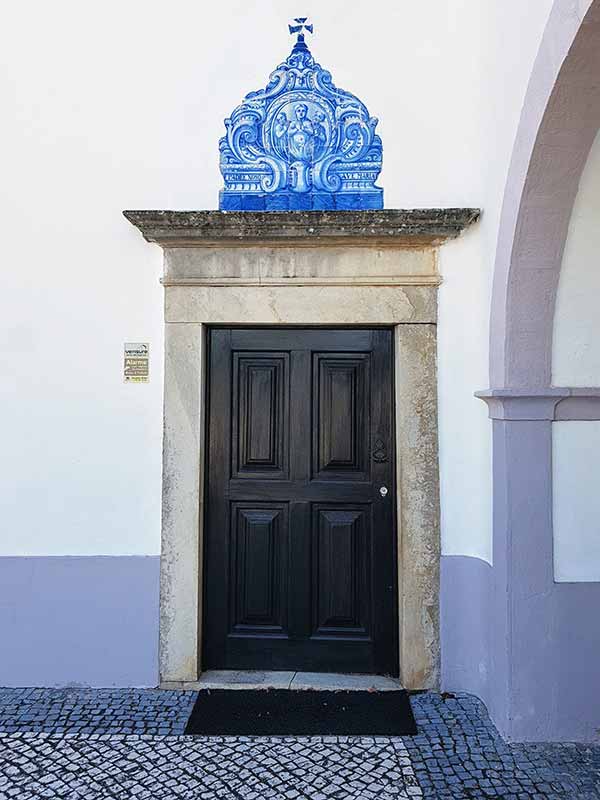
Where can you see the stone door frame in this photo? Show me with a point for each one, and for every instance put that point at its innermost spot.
(372, 269)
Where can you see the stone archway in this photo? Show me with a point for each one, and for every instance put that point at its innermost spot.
(544, 643)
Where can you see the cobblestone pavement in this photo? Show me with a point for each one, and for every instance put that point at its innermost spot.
(459, 754)
(121, 744)
(45, 766)
(101, 711)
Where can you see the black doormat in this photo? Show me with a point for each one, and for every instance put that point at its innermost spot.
(288, 712)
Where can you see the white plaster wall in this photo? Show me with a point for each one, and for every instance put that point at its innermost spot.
(500, 41)
(576, 350)
(576, 501)
(121, 106)
(576, 362)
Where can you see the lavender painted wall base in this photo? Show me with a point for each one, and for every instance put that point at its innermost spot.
(549, 687)
(85, 621)
(465, 596)
(552, 678)
(93, 621)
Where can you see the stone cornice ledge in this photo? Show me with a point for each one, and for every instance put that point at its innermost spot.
(553, 403)
(391, 226)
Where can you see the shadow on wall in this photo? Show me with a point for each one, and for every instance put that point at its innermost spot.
(465, 593)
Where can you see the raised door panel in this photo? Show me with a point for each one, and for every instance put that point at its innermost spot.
(341, 404)
(259, 569)
(260, 419)
(341, 571)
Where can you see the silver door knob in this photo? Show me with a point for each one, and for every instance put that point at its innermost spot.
(383, 491)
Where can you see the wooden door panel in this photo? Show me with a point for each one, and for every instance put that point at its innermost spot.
(259, 569)
(341, 543)
(260, 419)
(303, 491)
(311, 339)
(300, 554)
(341, 391)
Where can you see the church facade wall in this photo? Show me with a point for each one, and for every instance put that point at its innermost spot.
(82, 466)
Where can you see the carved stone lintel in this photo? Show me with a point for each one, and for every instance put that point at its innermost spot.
(351, 228)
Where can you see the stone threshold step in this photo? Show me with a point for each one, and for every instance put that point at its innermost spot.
(252, 679)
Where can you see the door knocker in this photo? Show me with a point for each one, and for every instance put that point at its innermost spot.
(379, 454)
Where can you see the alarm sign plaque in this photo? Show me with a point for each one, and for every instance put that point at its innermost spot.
(136, 362)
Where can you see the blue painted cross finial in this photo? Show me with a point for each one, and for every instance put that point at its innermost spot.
(299, 27)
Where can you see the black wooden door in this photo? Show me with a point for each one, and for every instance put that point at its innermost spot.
(300, 557)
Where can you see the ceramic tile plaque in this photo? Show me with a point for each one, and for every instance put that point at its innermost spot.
(300, 144)
(136, 362)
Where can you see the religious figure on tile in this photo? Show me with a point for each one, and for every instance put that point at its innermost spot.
(300, 143)
(301, 135)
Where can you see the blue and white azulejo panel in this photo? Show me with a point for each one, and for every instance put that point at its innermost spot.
(301, 143)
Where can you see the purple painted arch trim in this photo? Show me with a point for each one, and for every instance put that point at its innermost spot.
(560, 119)
(554, 403)
(535, 621)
